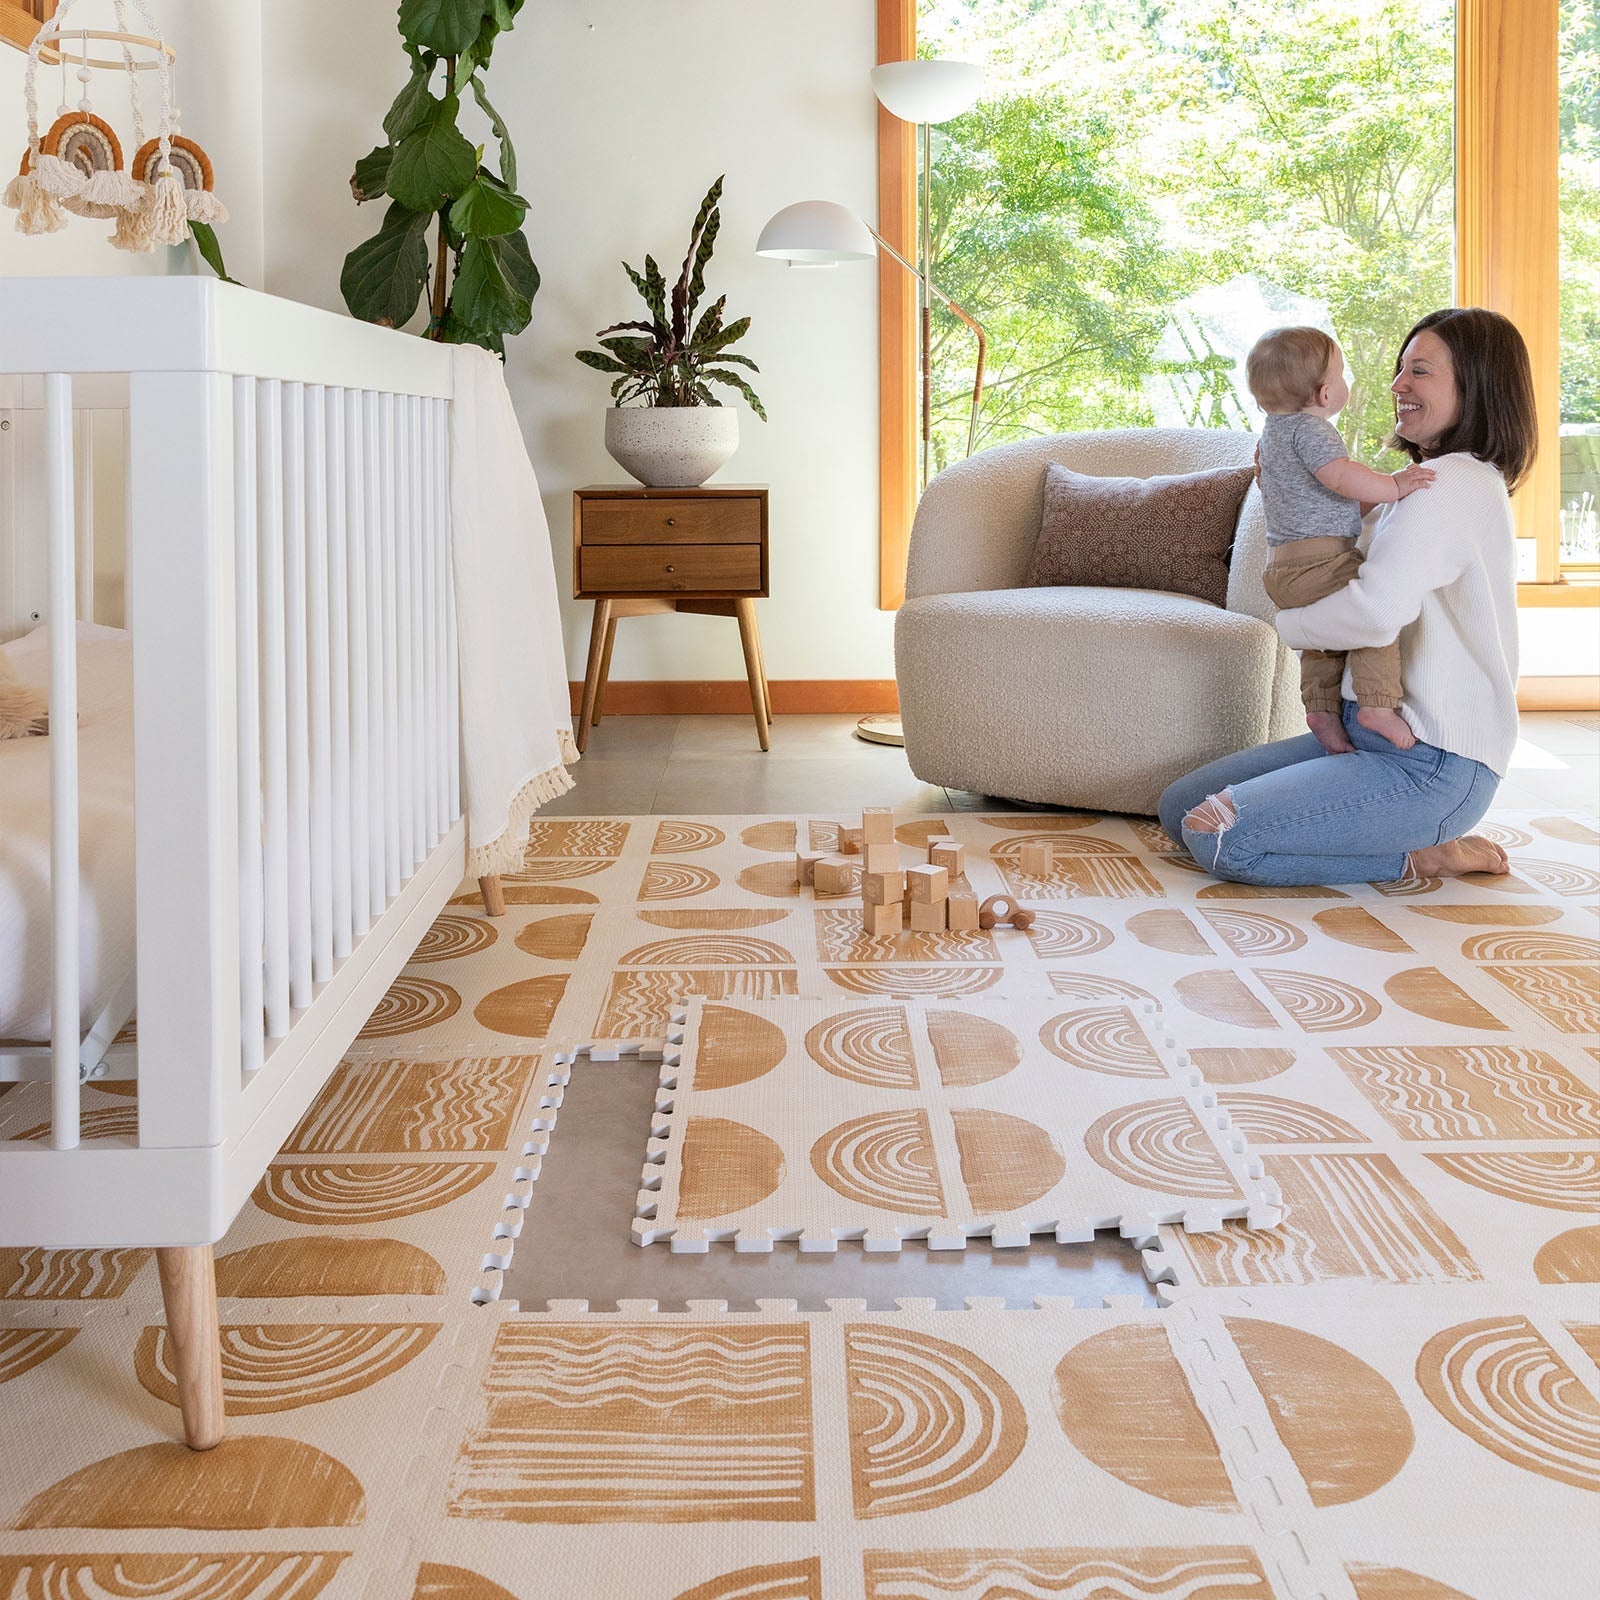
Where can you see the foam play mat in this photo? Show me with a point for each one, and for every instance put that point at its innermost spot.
(882, 1120)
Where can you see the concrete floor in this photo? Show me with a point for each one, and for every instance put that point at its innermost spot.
(575, 1244)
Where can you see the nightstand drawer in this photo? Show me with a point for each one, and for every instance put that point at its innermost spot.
(727, 520)
(667, 568)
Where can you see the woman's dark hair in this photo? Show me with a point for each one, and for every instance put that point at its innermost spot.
(1494, 381)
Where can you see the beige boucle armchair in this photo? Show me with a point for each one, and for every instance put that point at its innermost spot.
(1096, 698)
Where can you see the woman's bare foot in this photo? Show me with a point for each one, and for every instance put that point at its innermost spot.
(1387, 721)
(1470, 853)
(1329, 729)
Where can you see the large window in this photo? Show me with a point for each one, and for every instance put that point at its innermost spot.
(1144, 189)
(1580, 289)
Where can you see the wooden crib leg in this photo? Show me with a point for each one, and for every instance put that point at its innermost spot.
(189, 1293)
(494, 900)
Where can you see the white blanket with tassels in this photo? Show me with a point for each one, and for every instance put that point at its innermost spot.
(516, 719)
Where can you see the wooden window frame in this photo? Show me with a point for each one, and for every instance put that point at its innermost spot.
(1507, 258)
(19, 23)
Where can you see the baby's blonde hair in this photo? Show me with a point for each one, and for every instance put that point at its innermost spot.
(1285, 367)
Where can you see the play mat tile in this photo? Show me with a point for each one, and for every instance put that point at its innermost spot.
(825, 1119)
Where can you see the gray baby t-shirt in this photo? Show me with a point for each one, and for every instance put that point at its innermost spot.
(1293, 446)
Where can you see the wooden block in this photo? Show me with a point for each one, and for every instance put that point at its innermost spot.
(1036, 858)
(880, 857)
(961, 909)
(935, 840)
(834, 875)
(849, 841)
(805, 865)
(881, 920)
(928, 884)
(948, 854)
(928, 916)
(883, 888)
(877, 825)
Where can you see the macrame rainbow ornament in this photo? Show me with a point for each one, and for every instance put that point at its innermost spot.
(76, 166)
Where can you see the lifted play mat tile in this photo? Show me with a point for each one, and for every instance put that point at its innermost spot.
(887, 1120)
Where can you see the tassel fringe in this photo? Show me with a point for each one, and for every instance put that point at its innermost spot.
(133, 229)
(203, 206)
(506, 851)
(38, 211)
(166, 214)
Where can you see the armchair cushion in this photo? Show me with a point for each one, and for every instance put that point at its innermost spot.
(1169, 533)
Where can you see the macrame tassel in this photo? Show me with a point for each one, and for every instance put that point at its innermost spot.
(133, 225)
(37, 210)
(205, 207)
(114, 189)
(165, 213)
(57, 177)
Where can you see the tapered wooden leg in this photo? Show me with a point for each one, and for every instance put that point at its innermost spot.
(605, 669)
(751, 640)
(591, 681)
(494, 899)
(761, 661)
(189, 1293)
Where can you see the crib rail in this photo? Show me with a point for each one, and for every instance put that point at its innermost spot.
(295, 695)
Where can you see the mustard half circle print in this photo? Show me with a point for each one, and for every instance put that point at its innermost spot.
(1571, 1257)
(437, 1581)
(1006, 1162)
(970, 1050)
(1396, 1583)
(1123, 1402)
(871, 1047)
(735, 1046)
(1341, 1421)
(930, 1422)
(774, 1580)
(249, 1481)
(1160, 1144)
(885, 1161)
(725, 1167)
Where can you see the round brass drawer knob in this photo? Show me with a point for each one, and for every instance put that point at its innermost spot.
(672, 522)
(671, 568)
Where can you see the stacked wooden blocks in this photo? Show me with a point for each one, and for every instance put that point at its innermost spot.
(927, 898)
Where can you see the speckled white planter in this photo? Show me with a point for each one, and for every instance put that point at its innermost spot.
(671, 447)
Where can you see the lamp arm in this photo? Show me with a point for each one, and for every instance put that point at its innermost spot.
(971, 321)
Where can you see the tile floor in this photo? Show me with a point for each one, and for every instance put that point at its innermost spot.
(576, 1243)
(669, 765)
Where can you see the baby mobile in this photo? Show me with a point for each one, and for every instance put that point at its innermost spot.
(76, 166)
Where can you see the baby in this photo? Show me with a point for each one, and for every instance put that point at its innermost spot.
(1315, 497)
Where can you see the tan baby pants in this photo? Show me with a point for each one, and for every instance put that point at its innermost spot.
(1304, 570)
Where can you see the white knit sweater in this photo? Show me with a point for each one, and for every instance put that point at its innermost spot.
(1440, 575)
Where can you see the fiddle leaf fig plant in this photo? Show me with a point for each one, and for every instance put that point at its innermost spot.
(479, 277)
(672, 359)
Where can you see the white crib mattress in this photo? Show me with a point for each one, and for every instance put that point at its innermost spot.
(105, 839)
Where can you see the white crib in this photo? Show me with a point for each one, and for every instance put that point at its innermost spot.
(296, 773)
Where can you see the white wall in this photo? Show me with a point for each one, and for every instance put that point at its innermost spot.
(218, 90)
(622, 112)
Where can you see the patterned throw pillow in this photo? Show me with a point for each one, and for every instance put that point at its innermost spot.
(1139, 533)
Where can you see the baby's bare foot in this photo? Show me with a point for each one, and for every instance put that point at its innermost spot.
(1388, 722)
(1456, 857)
(1329, 729)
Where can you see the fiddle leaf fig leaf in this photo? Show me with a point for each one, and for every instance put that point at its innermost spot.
(485, 207)
(489, 292)
(446, 26)
(382, 279)
(434, 160)
(370, 180)
(411, 104)
(508, 156)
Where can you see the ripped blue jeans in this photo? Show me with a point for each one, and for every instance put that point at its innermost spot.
(1302, 816)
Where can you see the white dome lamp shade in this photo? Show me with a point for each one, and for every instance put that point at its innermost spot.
(816, 233)
(927, 91)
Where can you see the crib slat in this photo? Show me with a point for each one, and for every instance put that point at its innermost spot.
(452, 665)
(427, 609)
(296, 606)
(438, 789)
(60, 531)
(372, 452)
(405, 620)
(319, 687)
(83, 510)
(339, 886)
(355, 468)
(274, 706)
(388, 534)
(248, 698)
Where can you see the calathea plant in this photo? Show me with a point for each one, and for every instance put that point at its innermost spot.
(482, 280)
(672, 359)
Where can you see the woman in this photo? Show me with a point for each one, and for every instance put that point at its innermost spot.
(1440, 573)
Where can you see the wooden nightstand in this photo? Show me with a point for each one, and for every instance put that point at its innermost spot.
(637, 552)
